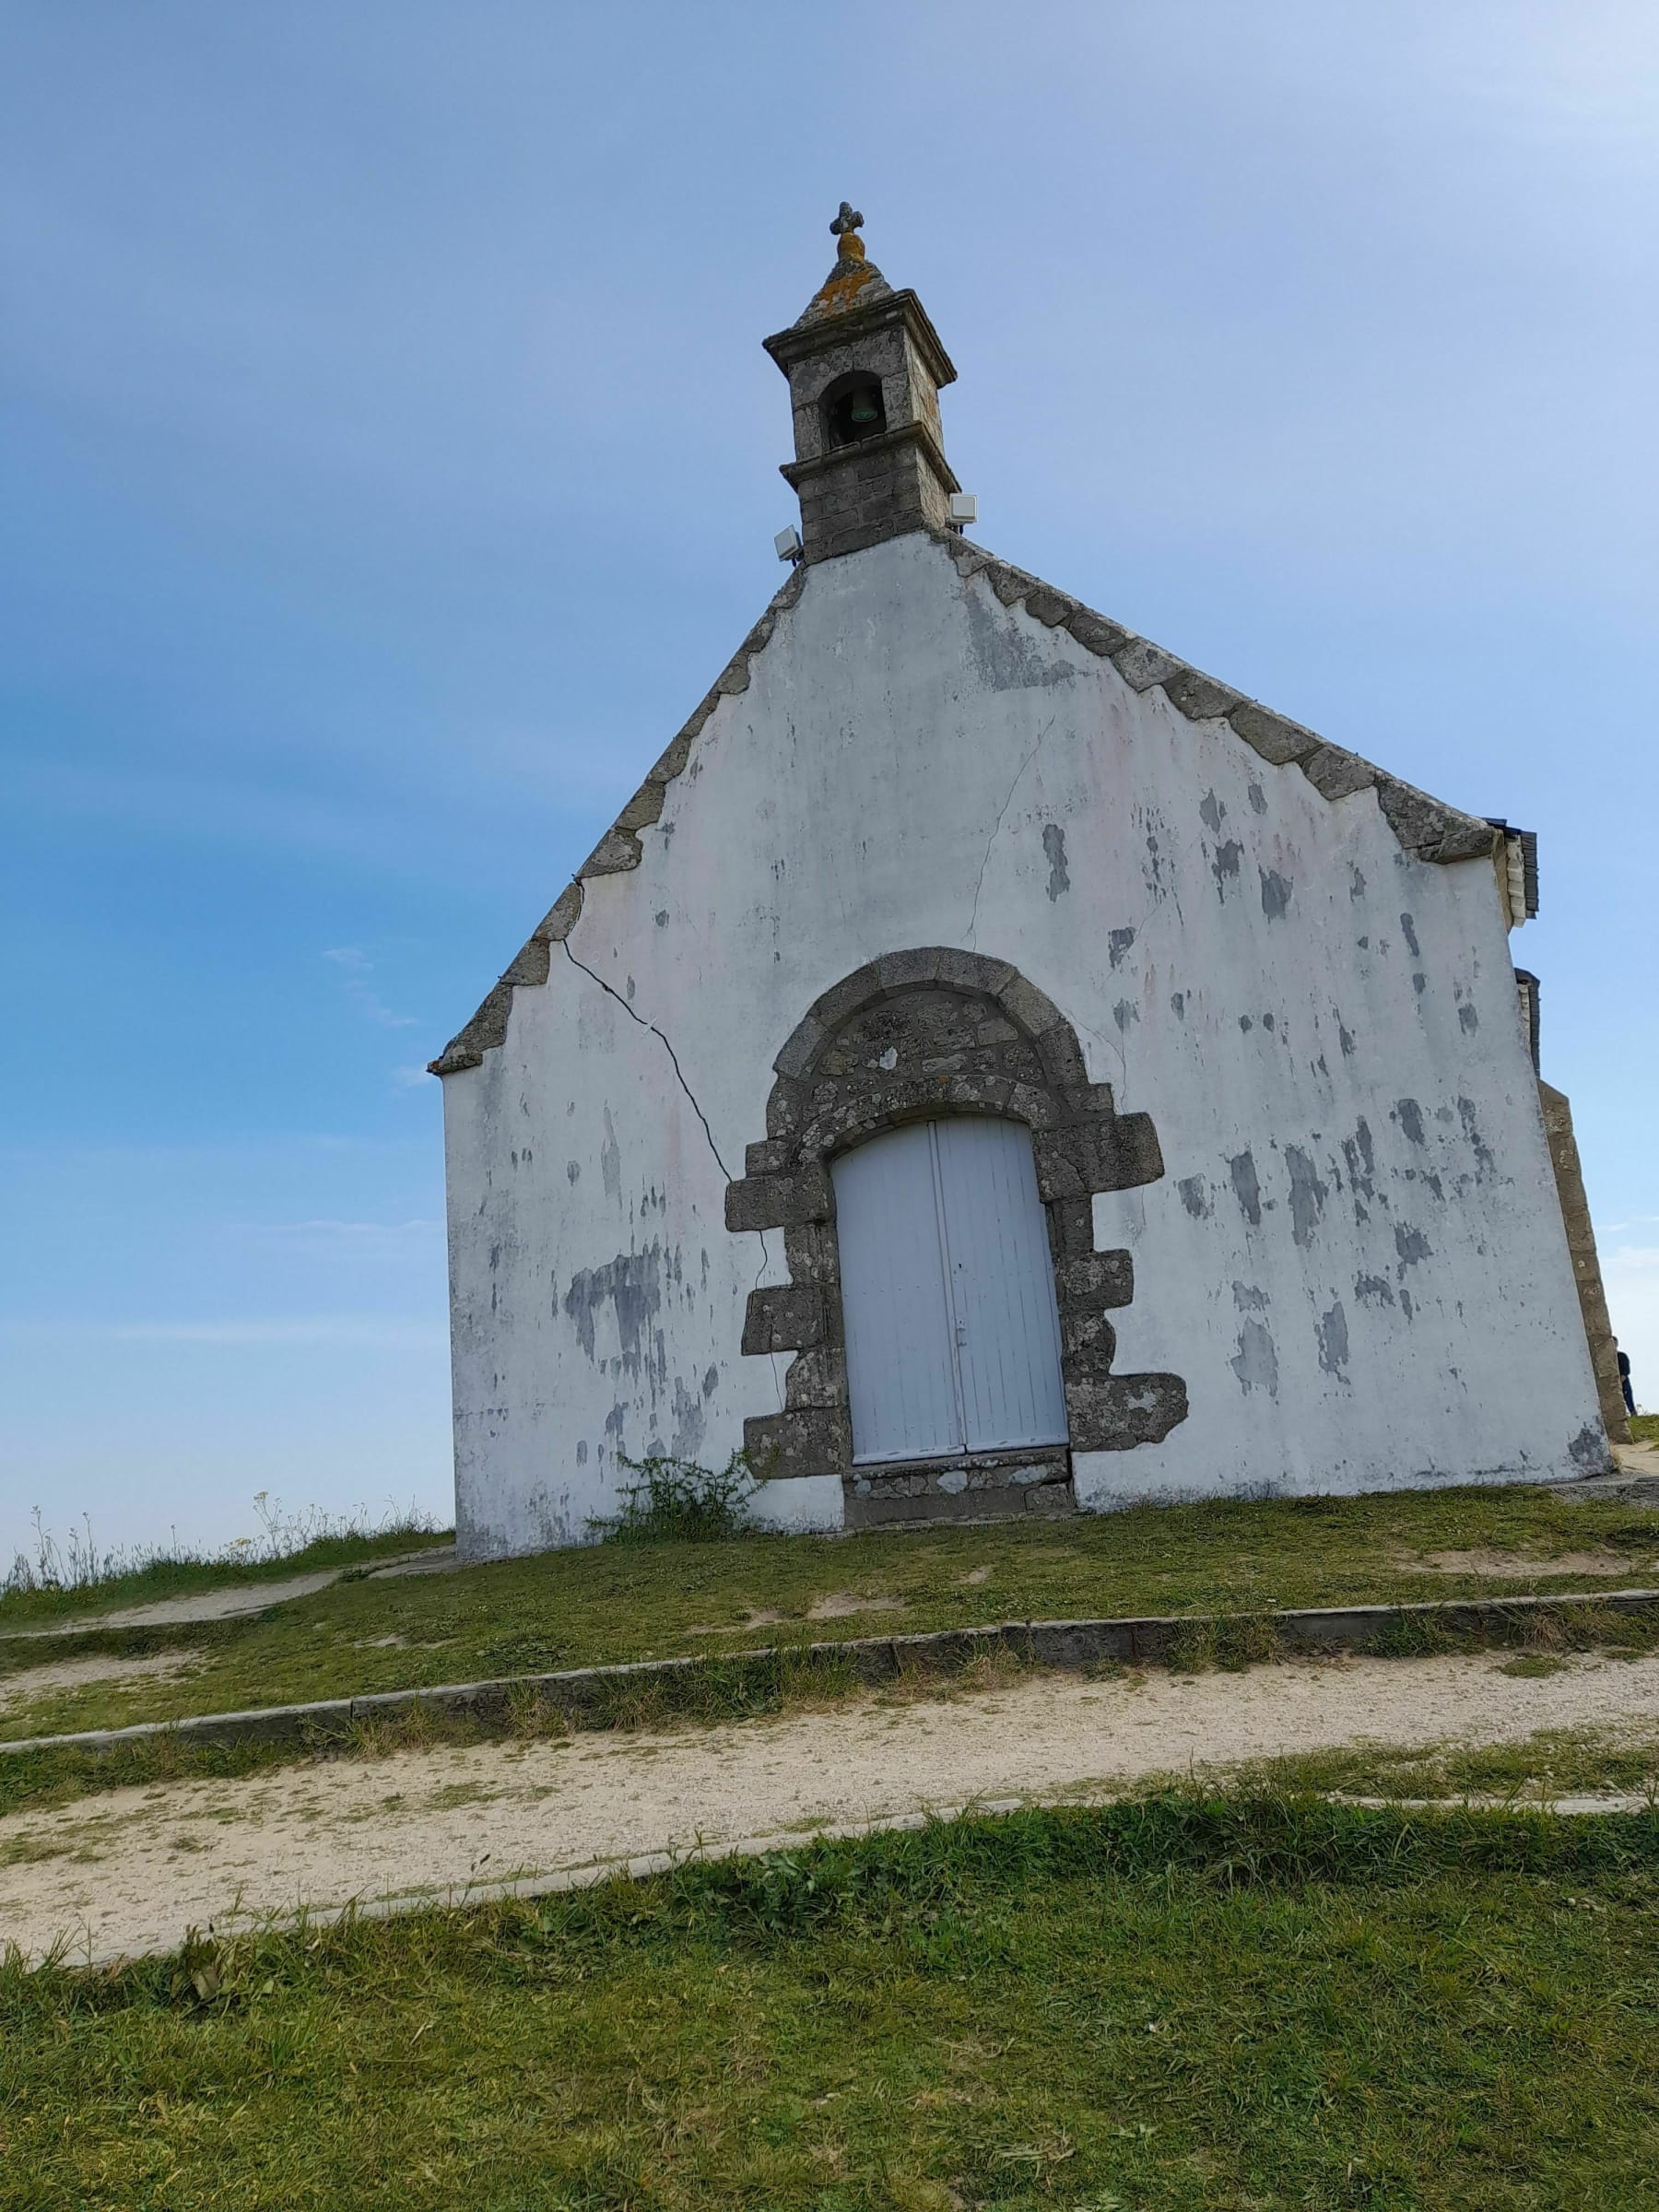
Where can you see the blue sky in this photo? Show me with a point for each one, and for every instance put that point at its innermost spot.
(390, 462)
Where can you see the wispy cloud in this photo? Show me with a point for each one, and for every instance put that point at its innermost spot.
(356, 968)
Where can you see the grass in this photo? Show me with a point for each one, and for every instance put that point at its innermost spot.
(1171, 2004)
(57, 1585)
(739, 1686)
(610, 1603)
(1644, 1427)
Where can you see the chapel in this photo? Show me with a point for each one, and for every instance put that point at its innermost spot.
(992, 1068)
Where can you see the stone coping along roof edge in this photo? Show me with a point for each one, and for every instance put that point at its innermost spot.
(875, 1659)
(1425, 826)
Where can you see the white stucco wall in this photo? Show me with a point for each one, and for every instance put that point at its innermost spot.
(1355, 1257)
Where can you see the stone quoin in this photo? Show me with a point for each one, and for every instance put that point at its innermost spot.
(991, 1068)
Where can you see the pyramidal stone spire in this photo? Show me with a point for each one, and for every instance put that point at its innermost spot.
(866, 369)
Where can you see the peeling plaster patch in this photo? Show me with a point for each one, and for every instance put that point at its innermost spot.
(710, 1381)
(691, 1422)
(1307, 1195)
(1468, 1020)
(1406, 1305)
(1420, 981)
(1248, 1298)
(1246, 1187)
(1373, 1291)
(610, 1159)
(582, 1452)
(1268, 1023)
(1258, 797)
(572, 1171)
(631, 1285)
(1256, 1361)
(1226, 864)
(1346, 1039)
(1178, 1005)
(1211, 812)
(1003, 656)
(1471, 1129)
(1409, 931)
(1588, 1448)
(661, 917)
(1275, 894)
(1357, 1152)
(1412, 1245)
(1245, 1024)
(1333, 1341)
(1411, 1120)
(1356, 884)
(1117, 946)
(1194, 1196)
(1053, 844)
(1155, 872)
(1123, 1012)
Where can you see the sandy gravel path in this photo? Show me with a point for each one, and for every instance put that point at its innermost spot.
(134, 1870)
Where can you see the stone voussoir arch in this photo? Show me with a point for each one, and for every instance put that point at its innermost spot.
(913, 1036)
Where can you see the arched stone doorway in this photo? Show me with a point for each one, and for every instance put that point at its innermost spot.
(918, 1036)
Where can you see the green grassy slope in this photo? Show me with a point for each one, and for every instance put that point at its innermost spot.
(1167, 2006)
(611, 1603)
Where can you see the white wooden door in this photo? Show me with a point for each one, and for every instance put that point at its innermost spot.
(948, 1292)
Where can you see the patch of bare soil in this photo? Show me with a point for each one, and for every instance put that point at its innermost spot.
(841, 1604)
(133, 1870)
(33, 1682)
(760, 1620)
(1510, 1566)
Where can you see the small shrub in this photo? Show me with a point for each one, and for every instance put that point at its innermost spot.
(676, 1501)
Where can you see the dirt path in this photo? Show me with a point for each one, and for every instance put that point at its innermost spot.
(133, 1870)
(231, 1600)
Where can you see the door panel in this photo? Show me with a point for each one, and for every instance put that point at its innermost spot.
(948, 1292)
(901, 1359)
(1002, 1284)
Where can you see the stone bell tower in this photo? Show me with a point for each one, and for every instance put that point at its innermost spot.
(866, 369)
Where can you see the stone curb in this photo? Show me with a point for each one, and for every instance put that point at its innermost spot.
(577, 1691)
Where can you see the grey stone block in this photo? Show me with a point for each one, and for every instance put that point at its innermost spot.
(778, 1445)
(798, 1055)
(1336, 774)
(530, 969)
(785, 1317)
(1124, 1410)
(1009, 584)
(617, 851)
(786, 1108)
(815, 1377)
(1088, 1341)
(563, 915)
(903, 970)
(1034, 1011)
(1096, 634)
(1200, 697)
(779, 1201)
(1100, 1278)
(643, 808)
(1048, 606)
(1276, 740)
(776, 1156)
(1141, 664)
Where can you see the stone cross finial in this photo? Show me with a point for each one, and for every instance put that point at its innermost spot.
(846, 223)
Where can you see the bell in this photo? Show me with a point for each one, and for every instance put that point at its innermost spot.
(863, 408)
